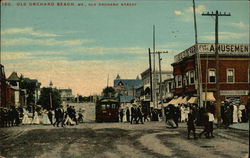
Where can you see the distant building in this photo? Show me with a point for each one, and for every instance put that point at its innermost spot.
(126, 88)
(6, 92)
(14, 82)
(66, 95)
(166, 75)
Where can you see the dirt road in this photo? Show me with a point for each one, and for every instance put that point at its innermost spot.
(119, 140)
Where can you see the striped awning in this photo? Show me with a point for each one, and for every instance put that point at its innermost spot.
(192, 100)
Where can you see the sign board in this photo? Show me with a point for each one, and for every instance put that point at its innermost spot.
(223, 48)
(210, 48)
(233, 92)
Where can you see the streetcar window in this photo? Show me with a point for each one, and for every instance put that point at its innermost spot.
(108, 106)
(103, 106)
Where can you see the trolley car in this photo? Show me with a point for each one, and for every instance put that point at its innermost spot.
(107, 110)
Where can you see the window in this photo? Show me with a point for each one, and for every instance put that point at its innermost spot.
(184, 80)
(191, 77)
(103, 106)
(187, 75)
(211, 76)
(230, 75)
(108, 106)
(178, 81)
(113, 106)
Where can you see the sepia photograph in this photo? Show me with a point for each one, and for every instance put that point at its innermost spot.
(124, 78)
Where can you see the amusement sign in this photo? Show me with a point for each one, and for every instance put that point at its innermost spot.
(210, 48)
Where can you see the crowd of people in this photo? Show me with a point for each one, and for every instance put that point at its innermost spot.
(190, 114)
(9, 117)
(232, 113)
(134, 114)
(15, 116)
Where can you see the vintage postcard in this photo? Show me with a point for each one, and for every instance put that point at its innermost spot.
(124, 78)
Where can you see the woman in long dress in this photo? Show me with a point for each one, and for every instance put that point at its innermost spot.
(36, 119)
(26, 119)
(235, 114)
(182, 113)
(46, 120)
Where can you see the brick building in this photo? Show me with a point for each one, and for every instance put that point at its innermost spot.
(234, 79)
(6, 92)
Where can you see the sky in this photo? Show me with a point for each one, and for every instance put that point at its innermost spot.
(78, 47)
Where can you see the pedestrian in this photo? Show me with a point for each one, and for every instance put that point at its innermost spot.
(231, 112)
(140, 114)
(121, 114)
(190, 124)
(235, 114)
(182, 108)
(128, 115)
(227, 115)
(176, 115)
(170, 116)
(206, 125)
(133, 114)
(50, 116)
(36, 119)
(239, 115)
(16, 116)
(80, 117)
(59, 115)
(45, 116)
(210, 124)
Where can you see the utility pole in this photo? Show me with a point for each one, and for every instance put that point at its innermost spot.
(198, 64)
(150, 75)
(218, 101)
(160, 86)
(154, 82)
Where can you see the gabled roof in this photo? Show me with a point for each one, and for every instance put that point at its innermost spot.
(128, 84)
(13, 77)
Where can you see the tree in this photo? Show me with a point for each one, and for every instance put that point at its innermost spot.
(108, 92)
(30, 87)
(48, 95)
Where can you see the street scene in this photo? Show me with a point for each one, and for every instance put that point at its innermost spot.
(124, 79)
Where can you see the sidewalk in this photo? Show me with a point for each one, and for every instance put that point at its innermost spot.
(240, 126)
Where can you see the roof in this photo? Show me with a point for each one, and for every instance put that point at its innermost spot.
(28, 80)
(129, 84)
(13, 77)
(65, 90)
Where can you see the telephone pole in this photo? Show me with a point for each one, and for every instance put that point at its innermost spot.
(160, 86)
(218, 101)
(197, 63)
(154, 75)
(150, 75)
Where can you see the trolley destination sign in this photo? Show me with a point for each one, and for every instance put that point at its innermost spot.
(210, 48)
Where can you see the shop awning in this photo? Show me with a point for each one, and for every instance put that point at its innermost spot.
(210, 96)
(182, 100)
(192, 100)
